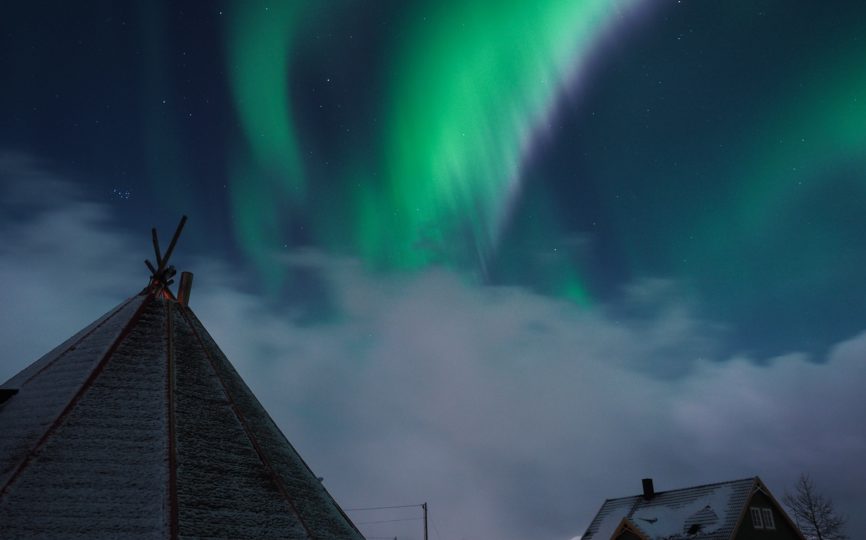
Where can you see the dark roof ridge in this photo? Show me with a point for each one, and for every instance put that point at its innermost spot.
(657, 493)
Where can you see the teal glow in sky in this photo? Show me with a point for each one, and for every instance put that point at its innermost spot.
(259, 52)
(447, 133)
(468, 88)
(570, 148)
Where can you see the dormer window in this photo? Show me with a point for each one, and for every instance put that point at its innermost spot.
(757, 521)
(768, 518)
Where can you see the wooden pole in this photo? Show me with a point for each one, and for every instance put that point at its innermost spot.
(424, 506)
(173, 242)
(155, 241)
(184, 289)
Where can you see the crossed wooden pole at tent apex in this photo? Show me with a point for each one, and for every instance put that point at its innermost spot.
(161, 275)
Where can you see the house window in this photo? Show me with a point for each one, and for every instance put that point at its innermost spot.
(768, 518)
(757, 522)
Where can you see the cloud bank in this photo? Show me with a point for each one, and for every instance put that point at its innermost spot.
(512, 414)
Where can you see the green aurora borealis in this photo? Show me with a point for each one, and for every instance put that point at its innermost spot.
(465, 105)
(571, 148)
(465, 94)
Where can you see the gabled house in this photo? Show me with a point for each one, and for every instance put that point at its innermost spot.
(139, 427)
(735, 510)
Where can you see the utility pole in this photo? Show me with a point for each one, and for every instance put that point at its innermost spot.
(424, 506)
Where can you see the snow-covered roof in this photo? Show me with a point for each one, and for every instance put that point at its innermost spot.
(708, 512)
(139, 427)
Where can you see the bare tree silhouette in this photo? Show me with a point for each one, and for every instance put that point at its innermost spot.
(814, 512)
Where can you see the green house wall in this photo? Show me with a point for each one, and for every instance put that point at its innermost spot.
(783, 530)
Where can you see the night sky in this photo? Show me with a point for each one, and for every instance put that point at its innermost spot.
(507, 257)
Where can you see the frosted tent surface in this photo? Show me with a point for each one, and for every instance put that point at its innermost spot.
(139, 427)
(670, 514)
(97, 465)
(49, 384)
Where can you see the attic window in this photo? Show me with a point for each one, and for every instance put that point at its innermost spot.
(768, 518)
(757, 522)
(6, 393)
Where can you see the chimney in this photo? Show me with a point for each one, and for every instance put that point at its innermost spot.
(648, 491)
(184, 289)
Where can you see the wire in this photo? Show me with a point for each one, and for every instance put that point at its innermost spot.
(435, 529)
(381, 507)
(387, 521)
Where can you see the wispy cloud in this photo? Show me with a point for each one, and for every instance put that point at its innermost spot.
(515, 415)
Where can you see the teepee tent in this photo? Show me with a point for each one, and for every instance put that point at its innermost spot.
(139, 427)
